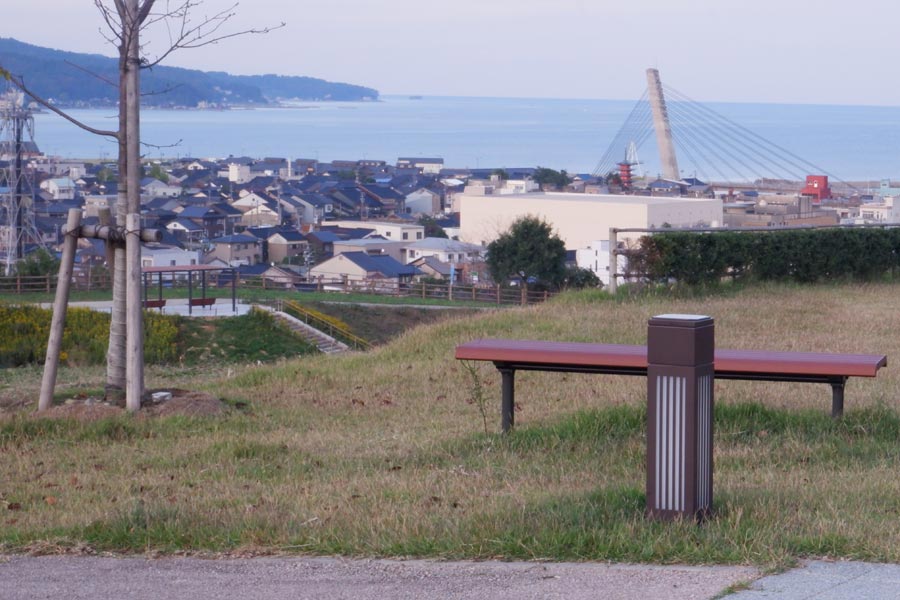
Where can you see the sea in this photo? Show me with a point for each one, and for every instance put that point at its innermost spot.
(850, 143)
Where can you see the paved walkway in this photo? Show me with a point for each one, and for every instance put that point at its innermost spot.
(174, 306)
(822, 580)
(94, 578)
(87, 578)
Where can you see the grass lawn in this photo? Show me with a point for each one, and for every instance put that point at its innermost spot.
(391, 453)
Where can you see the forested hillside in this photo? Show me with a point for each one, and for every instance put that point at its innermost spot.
(73, 79)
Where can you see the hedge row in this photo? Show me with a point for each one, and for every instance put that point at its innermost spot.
(796, 255)
(24, 331)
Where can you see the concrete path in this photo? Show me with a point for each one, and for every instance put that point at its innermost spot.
(174, 306)
(90, 578)
(822, 580)
(94, 578)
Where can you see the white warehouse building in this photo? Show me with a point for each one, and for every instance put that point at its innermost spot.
(583, 221)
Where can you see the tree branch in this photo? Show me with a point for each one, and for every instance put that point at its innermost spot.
(106, 14)
(196, 36)
(92, 74)
(16, 81)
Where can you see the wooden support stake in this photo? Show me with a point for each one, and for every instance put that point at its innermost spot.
(58, 322)
(613, 260)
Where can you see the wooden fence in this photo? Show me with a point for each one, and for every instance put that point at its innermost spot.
(483, 294)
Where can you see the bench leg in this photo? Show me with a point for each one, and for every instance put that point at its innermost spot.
(837, 397)
(508, 406)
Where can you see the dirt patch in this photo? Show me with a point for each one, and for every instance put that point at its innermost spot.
(185, 403)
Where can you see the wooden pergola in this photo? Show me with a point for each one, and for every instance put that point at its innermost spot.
(177, 273)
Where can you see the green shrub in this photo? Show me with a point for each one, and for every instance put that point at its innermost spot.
(804, 256)
(24, 331)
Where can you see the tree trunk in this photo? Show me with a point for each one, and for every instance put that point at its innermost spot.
(115, 356)
(134, 388)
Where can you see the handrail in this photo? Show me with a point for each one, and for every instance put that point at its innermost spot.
(290, 306)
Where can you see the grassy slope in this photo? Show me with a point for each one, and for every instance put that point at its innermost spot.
(386, 453)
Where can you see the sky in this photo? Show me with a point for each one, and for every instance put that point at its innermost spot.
(779, 51)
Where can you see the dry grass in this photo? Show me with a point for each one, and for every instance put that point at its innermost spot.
(385, 454)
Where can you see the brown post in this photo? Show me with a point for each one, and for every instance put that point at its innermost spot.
(60, 304)
(680, 371)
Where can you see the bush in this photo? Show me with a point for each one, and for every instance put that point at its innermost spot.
(24, 331)
(804, 256)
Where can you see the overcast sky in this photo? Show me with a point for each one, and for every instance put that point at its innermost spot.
(791, 51)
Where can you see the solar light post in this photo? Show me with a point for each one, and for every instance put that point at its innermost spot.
(680, 373)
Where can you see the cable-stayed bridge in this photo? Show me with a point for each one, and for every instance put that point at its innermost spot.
(695, 141)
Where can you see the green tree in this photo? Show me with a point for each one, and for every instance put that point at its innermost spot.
(157, 172)
(432, 229)
(545, 176)
(104, 175)
(531, 248)
(580, 278)
(501, 173)
(38, 263)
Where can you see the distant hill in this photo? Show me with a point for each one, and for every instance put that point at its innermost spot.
(75, 79)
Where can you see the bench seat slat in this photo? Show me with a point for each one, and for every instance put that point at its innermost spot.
(559, 353)
(730, 362)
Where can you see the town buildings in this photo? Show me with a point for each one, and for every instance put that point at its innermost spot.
(296, 218)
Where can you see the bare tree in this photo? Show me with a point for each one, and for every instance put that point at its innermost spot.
(125, 21)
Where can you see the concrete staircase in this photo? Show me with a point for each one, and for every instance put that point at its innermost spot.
(324, 342)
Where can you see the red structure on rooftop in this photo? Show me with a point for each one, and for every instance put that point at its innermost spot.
(816, 188)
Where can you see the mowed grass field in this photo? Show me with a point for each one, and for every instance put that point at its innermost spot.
(394, 452)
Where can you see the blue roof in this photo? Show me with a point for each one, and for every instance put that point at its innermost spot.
(251, 270)
(386, 265)
(324, 236)
(188, 225)
(290, 236)
(239, 238)
(197, 212)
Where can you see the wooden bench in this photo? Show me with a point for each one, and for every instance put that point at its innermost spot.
(202, 301)
(154, 303)
(510, 356)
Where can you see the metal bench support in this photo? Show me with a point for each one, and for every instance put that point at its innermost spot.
(508, 405)
(837, 397)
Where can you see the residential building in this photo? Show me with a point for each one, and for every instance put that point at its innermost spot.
(286, 245)
(377, 246)
(235, 250)
(380, 273)
(887, 211)
(158, 255)
(423, 201)
(62, 188)
(395, 231)
(426, 165)
(443, 249)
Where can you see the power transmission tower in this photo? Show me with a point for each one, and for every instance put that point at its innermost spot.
(16, 183)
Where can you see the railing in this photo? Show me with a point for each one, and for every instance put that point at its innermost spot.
(46, 284)
(340, 333)
(481, 294)
(473, 293)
